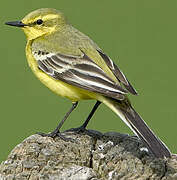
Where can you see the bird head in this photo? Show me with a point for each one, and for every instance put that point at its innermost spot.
(40, 22)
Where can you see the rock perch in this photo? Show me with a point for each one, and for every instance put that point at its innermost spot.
(92, 156)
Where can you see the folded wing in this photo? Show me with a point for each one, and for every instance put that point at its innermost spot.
(81, 72)
(117, 72)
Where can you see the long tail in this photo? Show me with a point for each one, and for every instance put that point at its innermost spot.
(127, 113)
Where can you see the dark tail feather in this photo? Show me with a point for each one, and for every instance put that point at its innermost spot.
(153, 143)
(139, 127)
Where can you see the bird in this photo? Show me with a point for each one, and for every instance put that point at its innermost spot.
(73, 66)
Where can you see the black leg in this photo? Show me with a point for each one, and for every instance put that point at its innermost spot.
(91, 114)
(56, 132)
(84, 125)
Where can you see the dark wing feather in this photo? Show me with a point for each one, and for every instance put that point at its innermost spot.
(118, 73)
(81, 72)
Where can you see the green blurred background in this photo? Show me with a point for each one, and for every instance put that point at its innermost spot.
(140, 36)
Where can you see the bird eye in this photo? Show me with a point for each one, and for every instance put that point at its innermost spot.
(39, 21)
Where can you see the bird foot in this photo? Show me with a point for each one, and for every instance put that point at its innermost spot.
(56, 134)
(52, 134)
(77, 130)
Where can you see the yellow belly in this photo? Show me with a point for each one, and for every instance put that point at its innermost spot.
(60, 88)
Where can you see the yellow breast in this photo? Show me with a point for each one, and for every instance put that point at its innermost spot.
(60, 88)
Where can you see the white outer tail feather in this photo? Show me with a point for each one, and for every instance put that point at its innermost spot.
(160, 150)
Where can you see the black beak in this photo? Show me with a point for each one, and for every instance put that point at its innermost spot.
(16, 23)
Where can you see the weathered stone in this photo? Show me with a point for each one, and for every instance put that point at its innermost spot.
(91, 156)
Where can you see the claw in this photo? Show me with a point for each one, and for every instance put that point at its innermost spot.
(52, 134)
(56, 134)
(78, 130)
(65, 138)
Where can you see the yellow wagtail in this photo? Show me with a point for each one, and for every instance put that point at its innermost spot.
(73, 66)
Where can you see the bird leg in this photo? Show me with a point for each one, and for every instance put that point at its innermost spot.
(56, 132)
(82, 128)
